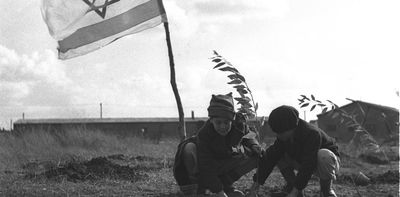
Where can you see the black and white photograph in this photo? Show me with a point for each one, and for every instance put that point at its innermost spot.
(218, 98)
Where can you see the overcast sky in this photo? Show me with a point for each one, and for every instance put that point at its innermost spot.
(333, 49)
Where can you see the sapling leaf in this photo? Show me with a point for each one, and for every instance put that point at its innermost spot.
(248, 110)
(231, 69)
(247, 105)
(242, 103)
(313, 107)
(240, 77)
(256, 107)
(244, 99)
(219, 65)
(324, 110)
(235, 81)
(216, 60)
(236, 76)
(304, 105)
(243, 91)
(239, 87)
(312, 97)
(232, 76)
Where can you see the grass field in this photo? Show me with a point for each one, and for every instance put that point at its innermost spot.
(90, 163)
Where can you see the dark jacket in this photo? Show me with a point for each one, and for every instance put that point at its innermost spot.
(213, 148)
(304, 147)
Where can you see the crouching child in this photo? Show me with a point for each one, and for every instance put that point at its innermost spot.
(223, 150)
(298, 146)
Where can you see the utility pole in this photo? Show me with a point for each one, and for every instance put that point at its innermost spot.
(23, 116)
(11, 127)
(305, 118)
(101, 110)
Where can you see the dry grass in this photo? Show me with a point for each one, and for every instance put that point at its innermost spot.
(16, 151)
(61, 147)
(83, 145)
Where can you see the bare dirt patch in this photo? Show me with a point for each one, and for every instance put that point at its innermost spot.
(117, 167)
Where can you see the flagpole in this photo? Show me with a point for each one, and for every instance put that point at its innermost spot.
(181, 126)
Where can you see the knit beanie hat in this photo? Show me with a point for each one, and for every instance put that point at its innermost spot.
(283, 118)
(222, 106)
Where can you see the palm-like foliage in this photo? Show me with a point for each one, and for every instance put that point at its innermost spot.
(246, 101)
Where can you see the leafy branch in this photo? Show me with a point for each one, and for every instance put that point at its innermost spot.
(237, 80)
(361, 136)
(349, 120)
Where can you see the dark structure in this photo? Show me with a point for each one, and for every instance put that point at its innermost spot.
(380, 121)
(152, 128)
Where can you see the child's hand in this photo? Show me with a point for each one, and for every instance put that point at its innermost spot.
(293, 193)
(256, 149)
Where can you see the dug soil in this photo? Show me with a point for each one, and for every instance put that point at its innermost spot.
(117, 167)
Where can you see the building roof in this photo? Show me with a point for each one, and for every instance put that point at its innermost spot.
(104, 120)
(386, 108)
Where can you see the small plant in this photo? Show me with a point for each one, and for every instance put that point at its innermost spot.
(246, 101)
(362, 142)
(345, 118)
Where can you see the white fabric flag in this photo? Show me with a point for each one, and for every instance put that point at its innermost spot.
(82, 26)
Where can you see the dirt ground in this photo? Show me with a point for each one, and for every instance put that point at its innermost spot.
(121, 175)
(98, 165)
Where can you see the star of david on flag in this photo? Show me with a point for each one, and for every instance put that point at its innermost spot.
(82, 26)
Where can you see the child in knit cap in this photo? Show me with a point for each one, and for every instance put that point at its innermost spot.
(212, 160)
(301, 146)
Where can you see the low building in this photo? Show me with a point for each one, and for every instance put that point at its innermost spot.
(153, 128)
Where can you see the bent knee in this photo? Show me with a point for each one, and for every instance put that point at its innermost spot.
(326, 156)
(190, 148)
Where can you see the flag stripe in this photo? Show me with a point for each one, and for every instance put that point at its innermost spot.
(103, 42)
(112, 26)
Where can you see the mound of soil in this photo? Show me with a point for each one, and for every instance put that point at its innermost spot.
(389, 177)
(142, 163)
(94, 169)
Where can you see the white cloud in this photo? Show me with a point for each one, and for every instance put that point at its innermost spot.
(24, 68)
(199, 17)
(231, 11)
(180, 20)
(32, 83)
